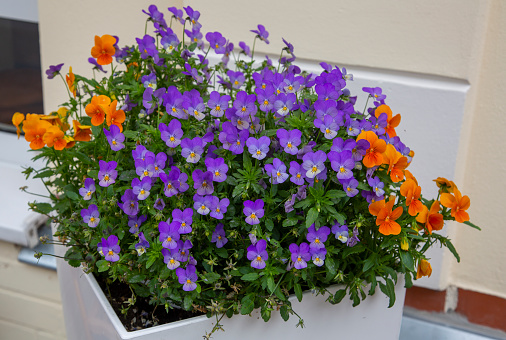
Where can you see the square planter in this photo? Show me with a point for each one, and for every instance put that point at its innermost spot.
(88, 315)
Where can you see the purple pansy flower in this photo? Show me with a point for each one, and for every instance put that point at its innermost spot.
(216, 41)
(300, 255)
(96, 65)
(141, 187)
(342, 163)
(375, 92)
(107, 173)
(236, 78)
(134, 222)
(353, 240)
(159, 164)
(192, 149)
(177, 13)
(203, 182)
(202, 204)
(169, 257)
(218, 104)
(318, 256)
(257, 254)
(376, 185)
(145, 167)
(172, 133)
(115, 138)
(258, 148)
(245, 104)
(219, 236)
(53, 70)
(350, 187)
(253, 211)
(289, 140)
(149, 80)
(245, 48)
(340, 231)
(193, 72)
(317, 237)
(313, 163)
(297, 172)
(284, 103)
(159, 204)
(88, 190)
(187, 277)
(183, 250)
(218, 168)
(184, 219)
(261, 33)
(91, 216)
(276, 171)
(290, 203)
(169, 234)
(327, 126)
(130, 204)
(156, 16)
(142, 245)
(110, 248)
(169, 42)
(171, 182)
(219, 207)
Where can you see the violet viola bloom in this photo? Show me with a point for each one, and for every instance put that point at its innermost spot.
(327, 126)
(253, 211)
(115, 138)
(340, 231)
(266, 98)
(289, 140)
(218, 168)
(218, 104)
(184, 219)
(187, 277)
(183, 186)
(376, 185)
(159, 164)
(313, 163)
(130, 205)
(375, 92)
(276, 171)
(202, 204)
(203, 182)
(134, 222)
(177, 14)
(147, 46)
(183, 250)
(360, 150)
(318, 256)
(342, 163)
(173, 101)
(169, 42)
(317, 237)
(172, 133)
(245, 48)
(169, 234)
(219, 207)
(169, 257)
(300, 255)
(145, 167)
(88, 190)
(91, 216)
(194, 104)
(339, 145)
(193, 72)
(107, 173)
(258, 148)
(139, 152)
(142, 245)
(171, 183)
(350, 187)
(290, 203)
(219, 236)
(96, 65)
(216, 41)
(193, 15)
(261, 33)
(156, 16)
(141, 188)
(192, 149)
(297, 172)
(110, 248)
(257, 254)
(245, 104)
(353, 240)
(233, 140)
(159, 204)
(284, 103)
(236, 79)
(53, 70)
(149, 80)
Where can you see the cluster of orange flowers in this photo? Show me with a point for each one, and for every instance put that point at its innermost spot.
(41, 130)
(101, 108)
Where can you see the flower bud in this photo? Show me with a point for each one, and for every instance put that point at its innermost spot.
(404, 244)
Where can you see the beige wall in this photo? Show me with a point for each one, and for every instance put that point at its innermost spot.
(454, 39)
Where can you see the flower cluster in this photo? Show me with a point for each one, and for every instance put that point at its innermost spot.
(231, 184)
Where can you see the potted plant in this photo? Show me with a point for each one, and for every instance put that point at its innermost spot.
(230, 187)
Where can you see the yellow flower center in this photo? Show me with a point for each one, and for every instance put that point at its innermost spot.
(278, 174)
(314, 169)
(298, 176)
(172, 138)
(266, 102)
(203, 207)
(253, 216)
(114, 142)
(172, 261)
(106, 178)
(218, 108)
(146, 172)
(342, 169)
(169, 239)
(142, 192)
(183, 224)
(259, 152)
(110, 252)
(92, 219)
(192, 155)
(216, 173)
(289, 145)
(259, 258)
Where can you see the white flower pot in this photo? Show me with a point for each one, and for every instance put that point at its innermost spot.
(88, 315)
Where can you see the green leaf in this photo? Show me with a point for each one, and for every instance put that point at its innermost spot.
(408, 280)
(72, 195)
(151, 260)
(303, 204)
(271, 284)
(269, 224)
(298, 291)
(247, 304)
(137, 278)
(238, 190)
(246, 160)
(43, 208)
(44, 174)
(369, 263)
(284, 312)
(451, 248)
(93, 174)
(211, 277)
(329, 263)
(335, 194)
(187, 303)
(338, 296)
(222, 252)
(265, 313)
(250, 277)
(407, 260)
(472, 225)
(388, 290)
(353, 250)
(102, 265)
(127, 175)
(291, 221)
(312, 215)
(131, 134)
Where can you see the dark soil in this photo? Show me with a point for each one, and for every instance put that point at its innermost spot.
(142, 314)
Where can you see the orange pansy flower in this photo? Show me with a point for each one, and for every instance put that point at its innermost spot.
(97, 109)
(396, 163)
(432, 219)
(70, 142)
(424, 269)
(412, 191)
(373, 156)
(34, 132)
(17, 119)
(444, 185)
(458, 204)
(386, 217)
(115, 117)
(392, 122)
(71, 78)
(82, 133)
(54, 137)
(104, 49)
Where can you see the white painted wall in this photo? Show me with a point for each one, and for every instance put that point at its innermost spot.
(439, 61)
